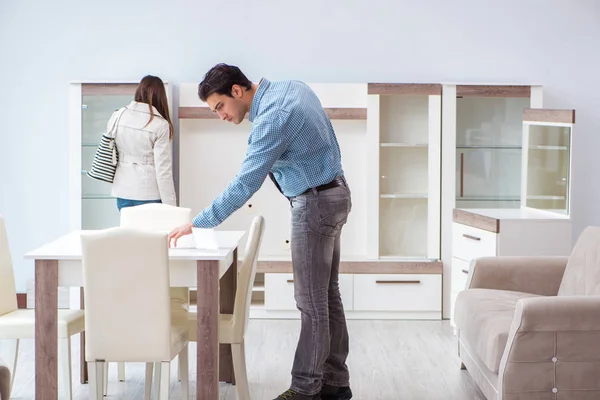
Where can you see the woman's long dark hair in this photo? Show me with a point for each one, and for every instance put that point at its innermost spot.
(151, 91)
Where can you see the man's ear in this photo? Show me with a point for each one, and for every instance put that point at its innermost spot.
(237, 91)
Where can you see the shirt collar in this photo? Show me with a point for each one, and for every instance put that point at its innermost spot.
(263, 85)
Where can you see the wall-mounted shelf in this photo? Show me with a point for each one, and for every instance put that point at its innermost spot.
(332, 113)
(493, 91)
(549, 115)
(404, 88)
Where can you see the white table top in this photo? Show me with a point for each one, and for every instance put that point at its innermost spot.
(68, 247)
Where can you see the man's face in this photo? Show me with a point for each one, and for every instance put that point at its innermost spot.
(231, 109)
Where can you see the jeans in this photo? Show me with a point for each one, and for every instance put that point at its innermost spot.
(317, 221)
(131, 203)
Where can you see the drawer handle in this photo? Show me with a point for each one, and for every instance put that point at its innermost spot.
(398, 282)
(471, 237)
(290, 281)
(465, 271)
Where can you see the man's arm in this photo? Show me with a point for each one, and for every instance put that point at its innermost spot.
(268, 143)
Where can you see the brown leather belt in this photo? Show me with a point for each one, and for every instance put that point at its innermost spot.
(339, 181)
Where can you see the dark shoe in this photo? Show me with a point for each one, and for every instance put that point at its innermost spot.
(335, 393)
(293, 395)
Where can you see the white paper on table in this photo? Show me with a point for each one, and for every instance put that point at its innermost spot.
(185, 242)
(205, 239)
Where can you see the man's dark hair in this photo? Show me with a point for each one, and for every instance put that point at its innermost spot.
(220, 79)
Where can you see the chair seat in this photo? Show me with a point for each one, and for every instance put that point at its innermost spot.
(483, 317)
(20, 324)
(226, 331)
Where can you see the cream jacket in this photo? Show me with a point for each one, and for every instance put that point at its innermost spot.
(145, 167)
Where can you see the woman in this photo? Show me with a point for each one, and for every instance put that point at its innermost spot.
(143, 139)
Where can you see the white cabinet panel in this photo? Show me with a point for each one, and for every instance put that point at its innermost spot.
(398, 292)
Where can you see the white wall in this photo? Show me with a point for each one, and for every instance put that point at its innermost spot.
(46, 44)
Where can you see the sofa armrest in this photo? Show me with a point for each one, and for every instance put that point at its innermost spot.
(535, 275)
(558, 314)
(552, 345)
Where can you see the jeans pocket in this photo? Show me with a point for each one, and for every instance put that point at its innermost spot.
(332, 216)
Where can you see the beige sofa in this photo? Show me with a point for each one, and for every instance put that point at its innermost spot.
(529, 327)
(4, 381)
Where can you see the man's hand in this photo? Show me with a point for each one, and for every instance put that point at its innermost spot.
(179, 232)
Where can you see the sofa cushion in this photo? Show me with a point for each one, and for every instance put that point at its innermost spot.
(483, 317)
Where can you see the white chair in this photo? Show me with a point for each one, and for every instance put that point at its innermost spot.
(134, 322)
(163, 218)
(4, 381)
(232, 327)
(17, 324)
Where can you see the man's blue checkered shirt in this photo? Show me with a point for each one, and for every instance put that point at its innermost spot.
(292, 137)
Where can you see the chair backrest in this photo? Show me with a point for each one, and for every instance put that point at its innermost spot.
(246, 275)
(160, 217)
(8, 292)
(155, 217)
(582, 274)
(127, 307)
(5, 381)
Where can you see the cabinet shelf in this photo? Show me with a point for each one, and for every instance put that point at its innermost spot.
(405, 144)
(540, 147)
(383, 265)
(486, 147)
(488, 198)
(404, 196)
(545, 197)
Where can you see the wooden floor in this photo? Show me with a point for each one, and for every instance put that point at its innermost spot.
(389, 360)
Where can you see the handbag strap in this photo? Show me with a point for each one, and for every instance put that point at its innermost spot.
(114, 128)
(113, 134)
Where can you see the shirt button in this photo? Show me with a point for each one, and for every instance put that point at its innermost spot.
(554, 359)
(554, 390)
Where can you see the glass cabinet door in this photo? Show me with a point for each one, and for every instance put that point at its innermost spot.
(98, 102)
(489, 151)
(409, 172)
(547, 136)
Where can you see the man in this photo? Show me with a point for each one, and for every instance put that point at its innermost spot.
(292, 141)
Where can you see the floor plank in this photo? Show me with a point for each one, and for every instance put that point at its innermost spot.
(389, 360)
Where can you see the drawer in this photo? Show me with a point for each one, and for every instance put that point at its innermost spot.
(421, 292)
(460, 274)
(279, 291)
(469, 243)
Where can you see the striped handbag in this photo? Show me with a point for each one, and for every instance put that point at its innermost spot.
(105, 161)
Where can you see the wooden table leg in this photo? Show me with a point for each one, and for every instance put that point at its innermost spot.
(207, 369)
(46, 330)
(228, 287)
(83, 367)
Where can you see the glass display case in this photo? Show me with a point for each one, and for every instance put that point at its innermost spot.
(407, 121)
(92, 104)
(489, 151)
(547, 136)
